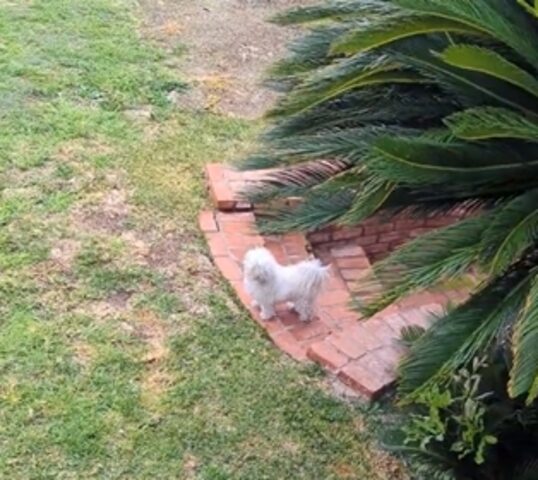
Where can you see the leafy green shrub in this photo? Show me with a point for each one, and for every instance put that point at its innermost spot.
(471, 429)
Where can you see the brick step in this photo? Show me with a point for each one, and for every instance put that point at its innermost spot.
(225, 186)
(230, 235)
(361, 353)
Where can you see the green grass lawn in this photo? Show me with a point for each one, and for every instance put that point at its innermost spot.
(122, 353)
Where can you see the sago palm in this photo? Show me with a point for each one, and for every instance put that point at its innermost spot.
(425, 106)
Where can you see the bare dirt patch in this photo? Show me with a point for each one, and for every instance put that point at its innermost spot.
(229, 46)
(109, 215)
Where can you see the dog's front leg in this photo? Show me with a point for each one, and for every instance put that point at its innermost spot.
(266, 311)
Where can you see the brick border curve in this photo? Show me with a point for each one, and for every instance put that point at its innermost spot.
(362, 353)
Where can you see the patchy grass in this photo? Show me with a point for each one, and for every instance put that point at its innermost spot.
(122, 353)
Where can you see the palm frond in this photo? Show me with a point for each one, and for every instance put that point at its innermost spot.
(393, 28)
(455, 339)
(479, 59)
(482, 123)
(334, 11)
(336, 80)
(496, 17)
(470, 87)
(294, 181)
(524, 372)
(415, 161)
(319, 208)
(432, 258)
(401, 104)
(307, 53)
(349, 145)
(513, 229)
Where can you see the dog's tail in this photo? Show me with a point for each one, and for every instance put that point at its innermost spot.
(315, 275)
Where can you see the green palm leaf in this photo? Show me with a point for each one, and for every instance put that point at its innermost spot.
(492, 16)
(394, 28)
(435, 257)
(524, 373)
(334, 10)
(421, 161)
(306, 100)
(490, 122)
(459, 336)
(472, 87)
(513, 229)
(479, 59)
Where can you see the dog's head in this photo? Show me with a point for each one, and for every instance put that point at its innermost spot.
(259, 273)
(258, 266)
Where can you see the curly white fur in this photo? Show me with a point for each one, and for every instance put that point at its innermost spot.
(269, 283)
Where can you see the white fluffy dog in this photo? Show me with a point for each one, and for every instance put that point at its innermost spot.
(268, 283)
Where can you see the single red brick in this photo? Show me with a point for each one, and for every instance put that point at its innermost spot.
(365, 380)
(409, 224)
(349, 346)
(390, 356)
(308, 330)
(214, 172)
(355, 341)
(217, 244)
(288, 344)
(392, 236)
(234, 217)
(418, 317)
(334, 297)
(347, 251)
(370, 337)
(206, 221)
(378, 229)
(417, 299)
(380, 329)
(238, 253)
(326, 355)
(334, 282)
(367, 240)
(243, 228)
(319, 237)
(295, 247)
(351, 273)
(439, 221)
(337, 313)
(395, 245)
(396, 322)
(353, 262)
(417, 232)
(348, 233)
(239, 240)
(294, 238)
(229, 268)
(378, 248)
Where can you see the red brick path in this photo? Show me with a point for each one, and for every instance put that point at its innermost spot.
(363, 354)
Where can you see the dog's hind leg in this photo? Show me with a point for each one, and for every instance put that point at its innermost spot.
(305, 310)
(267, 311)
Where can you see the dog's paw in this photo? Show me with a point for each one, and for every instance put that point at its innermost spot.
(266, 315)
